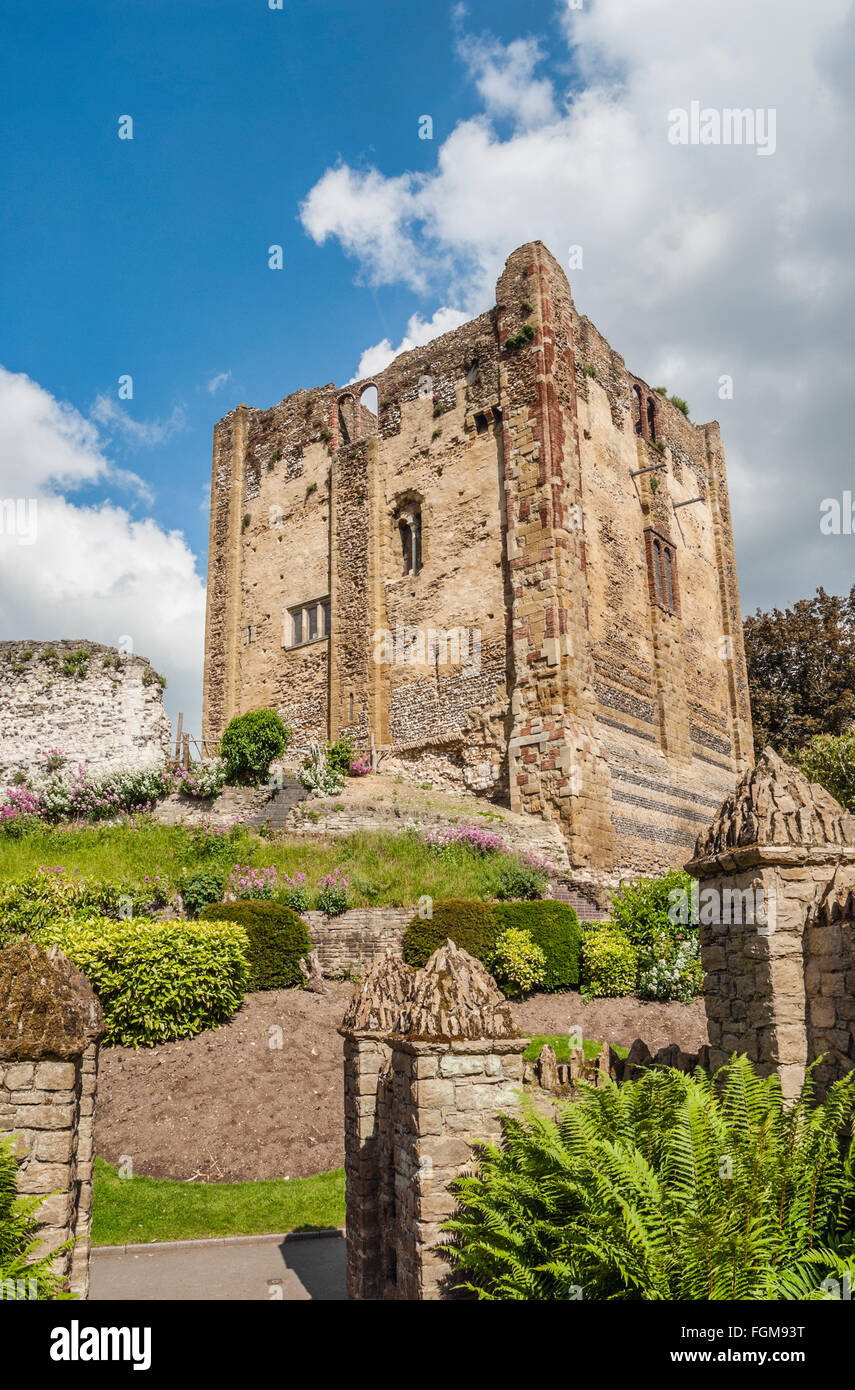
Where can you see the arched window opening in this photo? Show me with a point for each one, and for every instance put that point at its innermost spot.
(350, 709)
(408, 523)
(651, 420)
(369, 404)
(637, 412)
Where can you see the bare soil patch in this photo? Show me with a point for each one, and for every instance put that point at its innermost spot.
(228, 1106)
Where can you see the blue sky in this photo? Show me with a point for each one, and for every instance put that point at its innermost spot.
(148, 256)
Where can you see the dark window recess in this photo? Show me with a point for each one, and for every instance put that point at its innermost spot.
(481, 423)
(409, 524)
(662, 573)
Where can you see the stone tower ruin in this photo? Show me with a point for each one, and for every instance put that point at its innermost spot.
(504, 552)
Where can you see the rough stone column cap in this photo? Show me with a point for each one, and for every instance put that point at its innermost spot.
(47, 1007)
(377, 1005)
(456, 997)
(774, 807)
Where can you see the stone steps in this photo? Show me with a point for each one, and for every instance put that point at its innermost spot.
(274, 813)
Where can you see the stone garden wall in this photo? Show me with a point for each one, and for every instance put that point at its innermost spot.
(350, 943)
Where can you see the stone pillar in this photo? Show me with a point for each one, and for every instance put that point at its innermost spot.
(50, 1027)
(763, 868)
(451, 1060)
(367, 1159)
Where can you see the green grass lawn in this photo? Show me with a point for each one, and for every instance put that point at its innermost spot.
(135, 1211)
(386, 869)
(560, 1045)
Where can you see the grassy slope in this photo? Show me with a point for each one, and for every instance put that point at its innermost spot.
(386, 869)
(134, 1211)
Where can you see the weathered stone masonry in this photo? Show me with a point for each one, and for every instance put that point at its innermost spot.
(609, 695)
(50, 1028)
(108, 712)
(777, 867)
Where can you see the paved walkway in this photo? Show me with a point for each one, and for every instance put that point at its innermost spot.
(287, 1267)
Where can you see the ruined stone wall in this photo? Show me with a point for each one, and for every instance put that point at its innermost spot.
(591, 703)
(108, 712)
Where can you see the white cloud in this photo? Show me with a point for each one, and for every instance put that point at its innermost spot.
(114, 419)
(504, 77)
(419, 331)
(218, 381)
(92, 571)
(698, 261)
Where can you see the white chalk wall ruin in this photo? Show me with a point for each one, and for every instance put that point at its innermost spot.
(109, 715)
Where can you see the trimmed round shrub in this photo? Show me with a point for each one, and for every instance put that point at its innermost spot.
(554, 927)
(468, 924)
(609, 963)
(250, 744)
(517, 963)
(156, 981)
(278, 941)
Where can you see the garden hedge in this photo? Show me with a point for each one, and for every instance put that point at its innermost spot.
(554, 927)
(278, 940)
(476, 926)
(156, 980)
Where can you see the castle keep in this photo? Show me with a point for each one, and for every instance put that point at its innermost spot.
(515, 570)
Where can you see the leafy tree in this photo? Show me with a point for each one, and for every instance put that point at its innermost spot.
(830, 760)
(250, 744)
(671, 1187)
(801, 670)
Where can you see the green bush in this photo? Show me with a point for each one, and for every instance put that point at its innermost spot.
(470, 925)
(340, 755)
(250, 744)
(626, 1197)
(20, 1277)
(199, 889)
(646, 908)
(156, 981)
(519, 881)
(516, 962)
(36, 899)
(278, 941)
(554, 927)
(476, 927)
(609, 963)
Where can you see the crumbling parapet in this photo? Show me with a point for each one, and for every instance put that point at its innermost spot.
(774, 944)
(50, 1028)
(417, 1098)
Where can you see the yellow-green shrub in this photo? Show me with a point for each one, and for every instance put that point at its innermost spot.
(609, 963)
(156, 980)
